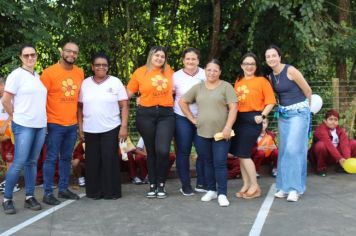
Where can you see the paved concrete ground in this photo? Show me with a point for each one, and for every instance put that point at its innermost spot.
(328, 208)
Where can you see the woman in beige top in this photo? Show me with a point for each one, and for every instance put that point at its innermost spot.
(216, 101)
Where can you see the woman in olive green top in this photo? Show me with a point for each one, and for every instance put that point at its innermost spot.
(216, 101)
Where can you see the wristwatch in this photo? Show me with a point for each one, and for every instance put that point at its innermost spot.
(263, 116)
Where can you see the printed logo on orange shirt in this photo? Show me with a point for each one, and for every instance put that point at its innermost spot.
(159, 82)
(241, 92)
(68, 87)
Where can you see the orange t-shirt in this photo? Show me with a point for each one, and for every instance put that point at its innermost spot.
(63, 88)
(155, 87)
(267, 143)
(254, 94)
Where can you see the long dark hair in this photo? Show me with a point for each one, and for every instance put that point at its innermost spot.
(266, 69)
(272, 46)
(257, 72)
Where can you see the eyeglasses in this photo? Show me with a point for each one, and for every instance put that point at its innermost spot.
(70, 51)
(248, 64)
(101, 65)
(27, 56)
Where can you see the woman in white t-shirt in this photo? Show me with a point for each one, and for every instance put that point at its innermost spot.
(100, 99)
(24, 100)
(186, 132)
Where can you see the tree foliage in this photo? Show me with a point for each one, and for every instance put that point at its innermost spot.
(309, 32)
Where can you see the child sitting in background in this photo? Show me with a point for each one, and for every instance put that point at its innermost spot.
(78, 163)
(7, 154)
(39, 176)
(233, 167)
(265, 151)
(137, 160)
(331, 144)
(6, 145)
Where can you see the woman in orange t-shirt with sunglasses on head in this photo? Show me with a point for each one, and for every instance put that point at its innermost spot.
(154, 115)
(255, 100)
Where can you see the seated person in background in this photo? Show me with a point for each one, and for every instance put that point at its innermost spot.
(40, 162)
(172, 159)
(330, 144)
(233, 167)
(7, 154)
(137, 161)
(265, 151)
(6, 145)
(78, 163)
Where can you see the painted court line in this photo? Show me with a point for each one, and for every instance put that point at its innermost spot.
(38, 217)
(263, 212)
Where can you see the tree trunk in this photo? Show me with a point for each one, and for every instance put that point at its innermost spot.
(215, 44)
(127, 39)
(344, 7)
(174, 22)
(341, 69)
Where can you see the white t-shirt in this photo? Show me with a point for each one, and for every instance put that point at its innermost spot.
(140, 144)
(30, 97)
(101, 111)
(335, 140)
(3, 114)
(182, 82)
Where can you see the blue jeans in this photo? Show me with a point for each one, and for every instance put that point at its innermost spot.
(28, 144)
(60, 144)
(185, 135)
(292, 151)
(215, 154)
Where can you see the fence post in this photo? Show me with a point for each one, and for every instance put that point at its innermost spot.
(336, 93)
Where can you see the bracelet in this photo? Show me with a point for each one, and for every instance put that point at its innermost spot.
(263, 116)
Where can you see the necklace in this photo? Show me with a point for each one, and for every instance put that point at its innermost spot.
(277, 78)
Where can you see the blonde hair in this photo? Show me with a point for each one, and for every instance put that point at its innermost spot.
(152, 51)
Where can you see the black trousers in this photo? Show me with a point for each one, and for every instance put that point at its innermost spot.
(102, 165)
(156, 126)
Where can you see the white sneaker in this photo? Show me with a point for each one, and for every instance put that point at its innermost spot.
(81, 181)
(280, 194)
(200, 189)
(274, 172)
(210, 195)
(16, 188)
(222, 200)
(293, 196)
(2, 186)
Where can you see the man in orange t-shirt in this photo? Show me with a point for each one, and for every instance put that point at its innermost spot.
(63, 81)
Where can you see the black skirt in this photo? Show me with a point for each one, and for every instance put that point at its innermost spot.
(246, 134)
